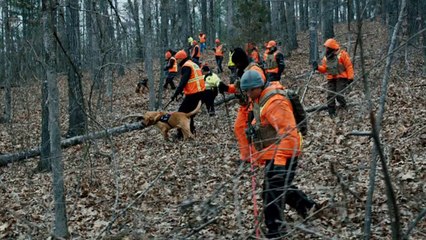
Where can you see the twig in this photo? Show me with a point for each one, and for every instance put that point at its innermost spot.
(359, 133)
(391, 199)
(414, 223)
(133, 202)
(201, 227)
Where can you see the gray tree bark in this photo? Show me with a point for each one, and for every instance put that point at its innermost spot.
(327, 19)
(77, 122)
(134, 9)
(60, 223)
(147, 29)
(313, 35)
(7, 111)
(291, 25)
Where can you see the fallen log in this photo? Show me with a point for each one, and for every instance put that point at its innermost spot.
(66, 143)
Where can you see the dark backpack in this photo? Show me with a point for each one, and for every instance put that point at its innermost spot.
(298, 110)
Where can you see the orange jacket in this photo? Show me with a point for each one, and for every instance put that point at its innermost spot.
(173, 69)
(202, 38)
(218, 51)
(195, 53)
(196, 80)
(240, 124)
(344, 61)
(278, 112)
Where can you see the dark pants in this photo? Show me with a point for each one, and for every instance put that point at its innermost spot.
(196, 60)
(335, 87)
(209, 96)
(277, 190)
(188, 104)
(219, 60)
(169, 81)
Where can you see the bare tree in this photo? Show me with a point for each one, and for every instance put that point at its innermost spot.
(327, 24)
(77, 122)
(7, 111)
(60, 225)
(291, 25)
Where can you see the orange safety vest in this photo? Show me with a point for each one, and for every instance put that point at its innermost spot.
(344, 66)
(218, 51)
(175, 67)
(271, 65)
(193, 51)
(284, 126)
(196, 80)
(203, 38)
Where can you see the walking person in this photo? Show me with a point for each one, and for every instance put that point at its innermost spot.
(195, 53)
(274, 62)
(275, 143)
(171, 68)
(218, 54)
(231, 66)
(191, 84)
(212, 82)
(339, 69)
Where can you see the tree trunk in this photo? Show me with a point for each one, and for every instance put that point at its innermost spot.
(204, 17)
(291, 25)
(412, 16)
(212, 25)
(327, 19)
(423, 24)
(313, 36)
(77, 122)
(182, 28)
(44, 165)
(147, 22)
(7, 111)
(134, 9)
(60, 223)
(6, 159)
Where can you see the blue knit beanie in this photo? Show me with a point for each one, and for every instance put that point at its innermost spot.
(251, 79)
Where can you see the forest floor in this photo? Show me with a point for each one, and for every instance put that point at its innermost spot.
(136, 186)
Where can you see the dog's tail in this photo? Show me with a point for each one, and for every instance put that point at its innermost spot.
(195, 111)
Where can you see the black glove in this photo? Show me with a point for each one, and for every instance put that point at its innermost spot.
(223, 87)
(315, 65)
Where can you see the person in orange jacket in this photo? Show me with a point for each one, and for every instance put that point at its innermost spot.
(191, 84)
(253, 53)
(218, 54)
(275, 143)
(339, 69)
(202, 38)
(171, 68)
(195, 53)
(274, 62)
(241, 61)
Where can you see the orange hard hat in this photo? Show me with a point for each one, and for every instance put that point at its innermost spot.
(331, 43)
(181, 55)
(168, 55)
(217, 40)
(271, 43)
